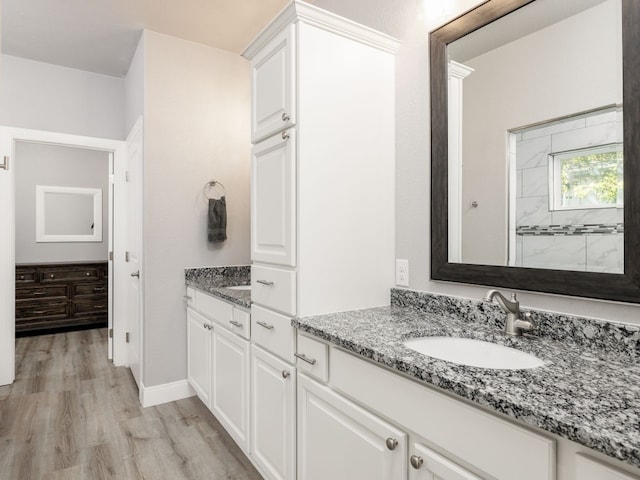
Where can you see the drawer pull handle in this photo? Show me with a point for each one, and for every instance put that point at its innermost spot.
(392, 443)
(207, 326)
(98, 289)
(285, 374)
(265, 282)
(235, 324)
(416, 461)
(39, 292)
(21, 277)
(265, 325)
(303, 357)
(99, 306)
(38, 312)
(187, 297)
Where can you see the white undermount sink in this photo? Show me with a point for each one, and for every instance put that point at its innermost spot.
(240, 287)
(474, 353)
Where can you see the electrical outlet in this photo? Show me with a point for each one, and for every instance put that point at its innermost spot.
(402, 272)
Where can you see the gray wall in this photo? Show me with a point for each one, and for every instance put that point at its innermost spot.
(48, 97)
(402, 19)
(54, 165)
(196, 104)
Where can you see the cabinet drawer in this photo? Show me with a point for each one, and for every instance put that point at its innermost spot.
(48, 275)
(312, 357)
(91, 306)
(274, 288)
(89, 289)
(26, 275)
(498, 447)
(241, 323)
(591, 469)
(36, 292)
(38, 310)
(218, 310)
(273, 332)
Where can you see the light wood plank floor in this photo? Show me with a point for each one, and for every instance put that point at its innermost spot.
(71, 414)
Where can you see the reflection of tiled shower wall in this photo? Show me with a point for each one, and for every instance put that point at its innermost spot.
(550, 239)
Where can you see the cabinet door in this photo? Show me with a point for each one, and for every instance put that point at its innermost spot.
(341, 441)
(273, 416)
(199, 354)
(273, 105)
(591, 469)
(429, 465)
(230, 384)
(273, 226)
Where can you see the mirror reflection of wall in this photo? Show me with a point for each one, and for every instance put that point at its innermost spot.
(44, 164)
(523, 75)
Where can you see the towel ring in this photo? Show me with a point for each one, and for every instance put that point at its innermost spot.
(210, 185)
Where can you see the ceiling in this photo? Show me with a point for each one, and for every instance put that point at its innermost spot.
(101, 35)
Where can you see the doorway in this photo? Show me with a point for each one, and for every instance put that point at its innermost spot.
(12, 142)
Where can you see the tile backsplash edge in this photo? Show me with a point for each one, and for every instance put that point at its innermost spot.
(591, 333)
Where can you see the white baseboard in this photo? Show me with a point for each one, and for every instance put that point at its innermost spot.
(167, 392)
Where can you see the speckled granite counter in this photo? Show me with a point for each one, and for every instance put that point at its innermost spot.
(217, 280)
(588, 394)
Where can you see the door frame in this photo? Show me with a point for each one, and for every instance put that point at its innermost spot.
(8, 138)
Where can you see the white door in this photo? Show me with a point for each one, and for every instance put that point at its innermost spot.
(133, 254)
(339, 440)
(429, 465)
(230, 384)
(199, 355)
(273, 189)
(273, 415)
(273, 105)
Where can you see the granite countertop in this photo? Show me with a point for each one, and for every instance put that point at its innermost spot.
(588, 395)
(217, 280)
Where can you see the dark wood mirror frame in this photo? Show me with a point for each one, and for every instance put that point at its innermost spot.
(619, 287)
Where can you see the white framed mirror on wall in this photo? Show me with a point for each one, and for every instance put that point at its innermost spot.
(68, 214)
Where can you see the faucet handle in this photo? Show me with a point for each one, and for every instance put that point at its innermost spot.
(525, 324)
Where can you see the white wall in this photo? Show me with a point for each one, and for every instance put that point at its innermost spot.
(55, 165)
(197, 129)
(134, 88)
(402, 19)
(48, 97)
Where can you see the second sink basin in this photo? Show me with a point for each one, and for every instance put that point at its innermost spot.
(474, 353)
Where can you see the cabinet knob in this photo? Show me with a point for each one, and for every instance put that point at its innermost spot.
(285, 135)
(88, 274)
(21, 277)
(285, 117)
(392, 443)
(52, 276)
(285, 374)
(416, 461)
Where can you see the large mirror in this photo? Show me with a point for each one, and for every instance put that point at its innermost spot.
(68, 214)
(535, 105)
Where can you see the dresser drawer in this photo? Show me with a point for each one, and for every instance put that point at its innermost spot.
(27, 275)
(89, 289)
(44, 309)
(48, 275)
(91, 306)
(273, 332)
(241, 323)
(312, 357)
(37, 292)
(274, 288)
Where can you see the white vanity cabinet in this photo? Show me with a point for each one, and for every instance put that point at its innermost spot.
(218, 365)
(273, 415)
(199, 354)
(587, 468)
(339, 440)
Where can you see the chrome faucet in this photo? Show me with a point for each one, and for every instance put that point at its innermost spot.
(514, 325)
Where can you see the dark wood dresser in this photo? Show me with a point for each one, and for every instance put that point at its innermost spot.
(54, 296)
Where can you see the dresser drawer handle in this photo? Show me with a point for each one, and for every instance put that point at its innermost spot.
(235, 324)
(98, 289)
(99, 306)
(303, 357)
(265, 282)
(39, 292)
(21, 277)
(52, 276)
(38, 312)
(88, 274)
(265, 325)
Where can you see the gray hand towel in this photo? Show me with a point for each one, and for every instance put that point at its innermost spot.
(217, 220)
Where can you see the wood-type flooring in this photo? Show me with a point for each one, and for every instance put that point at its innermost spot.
(70, 414)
